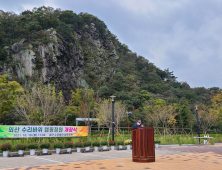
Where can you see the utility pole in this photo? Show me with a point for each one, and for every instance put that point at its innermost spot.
(113, 116)
(198, 128)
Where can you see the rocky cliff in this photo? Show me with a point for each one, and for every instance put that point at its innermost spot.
(59, 62)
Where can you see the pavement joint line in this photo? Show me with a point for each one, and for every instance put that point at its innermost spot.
(49, 160)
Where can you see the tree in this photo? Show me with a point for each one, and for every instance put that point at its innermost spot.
(161, 115)
(117, 82)
(105, 113)
(217, 106)
(84, 105)
(3, 54)
(208, 117)
(41, 105)
(9, 90)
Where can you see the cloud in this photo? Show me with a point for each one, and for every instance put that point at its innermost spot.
(31, 4)
(138, 6)
(184, 36)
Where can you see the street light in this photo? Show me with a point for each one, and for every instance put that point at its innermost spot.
(128, 119)
(113, 116)
(198, 124)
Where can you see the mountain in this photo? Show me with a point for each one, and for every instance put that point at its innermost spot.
(72, 51)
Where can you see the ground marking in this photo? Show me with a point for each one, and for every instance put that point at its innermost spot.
(50, 160)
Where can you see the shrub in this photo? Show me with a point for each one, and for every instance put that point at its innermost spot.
(157, 141)
(33, 146)
(58, 145)
(96, 143)
(45, 39)
(69, 144)
(78, 144)
(21, 146)
(83, 138)
(104, 143)
(128, 142)
(45, 145)
(87, 143)
(6, 147)
(112, 143)
(70, 45)
(120, 142)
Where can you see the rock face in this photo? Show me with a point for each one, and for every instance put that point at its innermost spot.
(66, 65)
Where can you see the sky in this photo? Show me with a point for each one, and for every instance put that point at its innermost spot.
(182, 35)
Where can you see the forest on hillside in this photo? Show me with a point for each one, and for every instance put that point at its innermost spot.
(107, 67)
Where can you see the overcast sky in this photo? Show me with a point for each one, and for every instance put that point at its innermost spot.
(182, 35)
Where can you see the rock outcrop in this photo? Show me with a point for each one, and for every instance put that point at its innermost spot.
(65, 65)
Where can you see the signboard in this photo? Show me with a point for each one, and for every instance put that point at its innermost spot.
(32, 131)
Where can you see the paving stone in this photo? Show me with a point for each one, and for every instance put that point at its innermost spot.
(181, 157)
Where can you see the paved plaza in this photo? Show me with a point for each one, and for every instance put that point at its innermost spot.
(202, 157)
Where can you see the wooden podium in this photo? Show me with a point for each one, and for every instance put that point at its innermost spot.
(143, 144)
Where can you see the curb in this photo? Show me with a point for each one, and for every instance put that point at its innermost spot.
(53, 151)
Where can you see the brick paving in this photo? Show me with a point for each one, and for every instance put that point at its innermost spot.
(168, 158)
(196, 149)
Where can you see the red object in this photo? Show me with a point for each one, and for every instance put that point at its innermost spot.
(143, 144)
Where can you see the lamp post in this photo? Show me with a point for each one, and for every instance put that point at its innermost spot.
(113, 116)
(198, 124)
(128, 119)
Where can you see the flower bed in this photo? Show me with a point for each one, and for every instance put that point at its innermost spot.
(120, 143)
(87, 144)
(33, 146)
(58, 145)
(128, 142)
(96, 143)
(21, 146)
(6, 147)
(104, 143)
(69, 144)
(112, 143)
(45, 145)
(78, 144)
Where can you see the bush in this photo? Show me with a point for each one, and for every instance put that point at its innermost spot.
(78, 144)
(69, 144)
(21, 146)
(6, 147)
(112, 143)
(128, 142)
(45, 145)
(45, 39)
(87, 143)
(58, 145)
(33, 146)
(120, 143)
(104, 143)
(96, 143)
(157, 141)
(83, 138)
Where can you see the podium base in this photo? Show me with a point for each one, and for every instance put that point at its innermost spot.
(144, 160)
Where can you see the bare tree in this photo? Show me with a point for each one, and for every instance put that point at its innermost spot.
(40, 106)
(105, 113)
(161, 115)
(207, 118)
